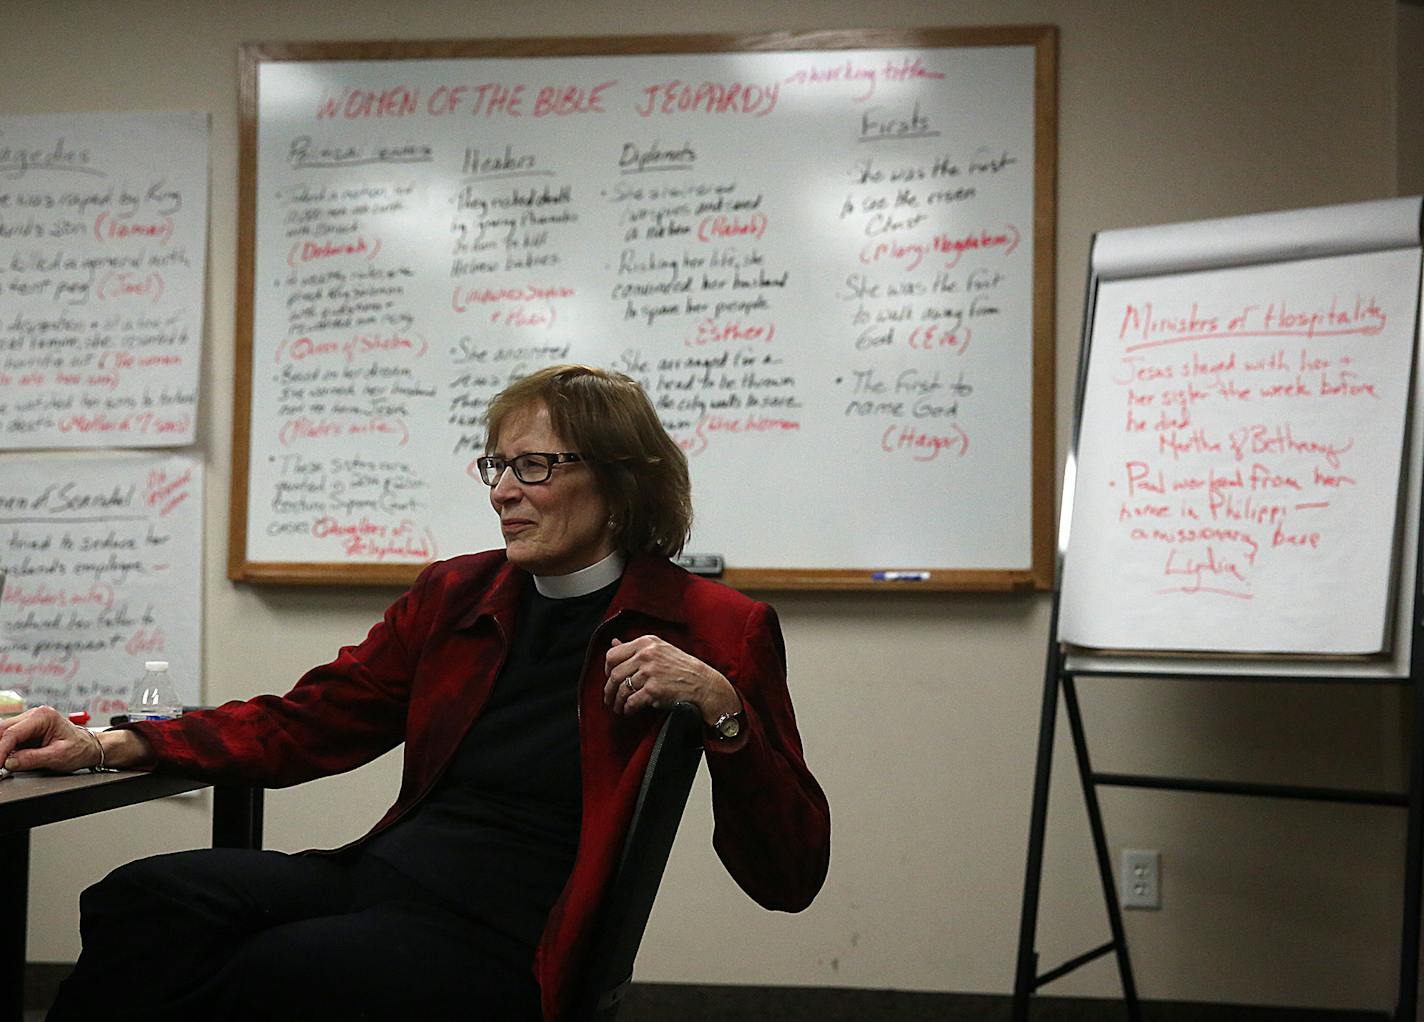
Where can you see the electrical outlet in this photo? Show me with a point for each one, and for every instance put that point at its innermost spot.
(1141, 878)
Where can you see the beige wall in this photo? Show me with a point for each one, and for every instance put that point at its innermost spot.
(1410, 115)
(920, 714)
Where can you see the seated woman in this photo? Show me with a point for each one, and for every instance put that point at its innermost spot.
(520, 682)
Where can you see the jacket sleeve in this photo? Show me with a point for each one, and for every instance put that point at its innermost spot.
(772, 822)
(337, 717)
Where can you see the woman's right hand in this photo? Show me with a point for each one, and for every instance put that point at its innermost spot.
(44, 739)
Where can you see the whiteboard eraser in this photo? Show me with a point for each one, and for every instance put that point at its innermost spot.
(701, 564)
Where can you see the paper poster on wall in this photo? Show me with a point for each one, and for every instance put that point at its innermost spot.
(103, 560)
(103, 232)
(1238, 474)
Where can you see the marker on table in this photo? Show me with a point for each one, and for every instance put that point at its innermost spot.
(900, 576)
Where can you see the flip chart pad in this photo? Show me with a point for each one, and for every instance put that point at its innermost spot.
(1237, 475)
(102, 559)
(103, 233)
(827, 259)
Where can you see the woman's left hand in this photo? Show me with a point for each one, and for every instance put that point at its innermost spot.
(648, 673)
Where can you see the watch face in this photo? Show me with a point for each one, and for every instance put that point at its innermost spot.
(729, 726)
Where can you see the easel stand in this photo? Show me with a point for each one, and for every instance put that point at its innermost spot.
(1058, 677)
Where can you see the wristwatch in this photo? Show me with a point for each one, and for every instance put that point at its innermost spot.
(727, 726)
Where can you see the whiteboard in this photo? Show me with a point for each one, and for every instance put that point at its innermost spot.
(1237, 475)
(827, 258)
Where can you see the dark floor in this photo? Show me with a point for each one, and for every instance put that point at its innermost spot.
(661, 1002)
(679, 1002)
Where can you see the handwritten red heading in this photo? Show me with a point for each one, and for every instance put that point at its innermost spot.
(1145, 325)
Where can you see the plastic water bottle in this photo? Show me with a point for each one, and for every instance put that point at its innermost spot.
(154, 697)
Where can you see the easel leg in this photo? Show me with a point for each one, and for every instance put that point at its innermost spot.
(1407, 1010)
(1100, 848)
(1026, 969)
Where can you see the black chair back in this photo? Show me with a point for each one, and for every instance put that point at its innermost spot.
(629, 902)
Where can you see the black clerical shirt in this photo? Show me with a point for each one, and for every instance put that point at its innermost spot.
(496, 838)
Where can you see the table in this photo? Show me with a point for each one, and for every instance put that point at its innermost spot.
(32, 800)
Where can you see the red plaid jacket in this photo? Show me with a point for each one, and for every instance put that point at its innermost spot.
(423, 673)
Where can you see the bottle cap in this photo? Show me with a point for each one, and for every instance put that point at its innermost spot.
(155, 665)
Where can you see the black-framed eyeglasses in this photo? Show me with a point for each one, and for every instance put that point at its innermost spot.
(533, 467)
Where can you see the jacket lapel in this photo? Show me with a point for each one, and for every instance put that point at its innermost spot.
(652, 587)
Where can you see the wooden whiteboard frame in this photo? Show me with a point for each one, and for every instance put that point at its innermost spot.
(1044, 40)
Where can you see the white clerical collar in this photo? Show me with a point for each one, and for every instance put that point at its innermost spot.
(583, 581)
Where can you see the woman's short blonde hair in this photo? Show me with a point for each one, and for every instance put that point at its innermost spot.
(607, 418)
